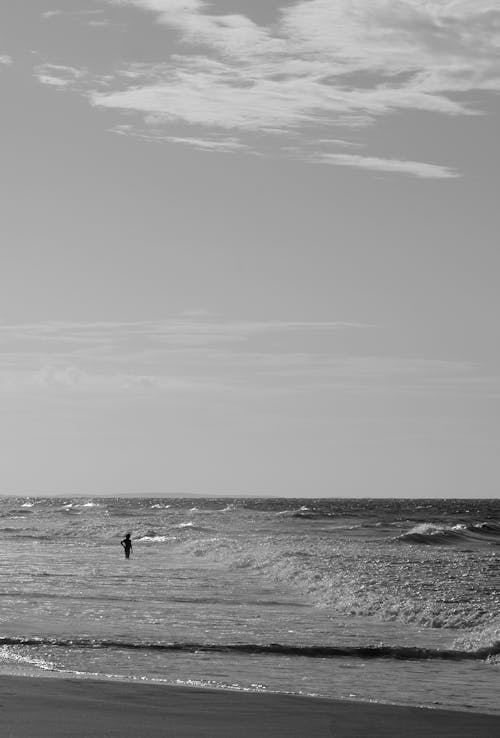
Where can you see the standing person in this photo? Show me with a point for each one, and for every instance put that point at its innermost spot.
(127, 545)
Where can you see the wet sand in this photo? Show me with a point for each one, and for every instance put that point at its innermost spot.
(67, 708)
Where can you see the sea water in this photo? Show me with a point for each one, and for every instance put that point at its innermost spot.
(389, 600)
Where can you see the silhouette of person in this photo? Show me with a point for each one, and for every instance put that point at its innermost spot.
(127, 545)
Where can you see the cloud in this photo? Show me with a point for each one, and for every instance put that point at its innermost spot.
(71, 379)
(413, 168)
(198, 313)
(6, 60)
(195, 352)
(203, 353)
(206, 144)
(341, 62)
(228, 144)
(58, 75)
(49, 377)
(49, 14)
(192, 329)
(230, 82)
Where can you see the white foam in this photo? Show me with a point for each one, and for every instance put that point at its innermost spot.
(484, 636)
(428, 529)
(6, 654)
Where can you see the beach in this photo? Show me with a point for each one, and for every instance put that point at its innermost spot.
(372, 602)
(55, 707)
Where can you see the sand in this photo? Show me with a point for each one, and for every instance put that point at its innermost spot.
(66, 708)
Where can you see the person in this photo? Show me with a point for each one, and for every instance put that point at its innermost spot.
(127, 545)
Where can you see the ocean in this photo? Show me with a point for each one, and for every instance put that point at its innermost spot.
(394, 601)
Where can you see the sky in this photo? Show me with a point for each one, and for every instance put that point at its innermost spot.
(250, 247)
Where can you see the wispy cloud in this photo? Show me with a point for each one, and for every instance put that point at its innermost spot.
(198, 322)
(194, 351)
(72, 379)
(6, 60)
(198, 352)
(58, 75)
(50, 14)
(228, 144)
(413, 168)
(346, 64)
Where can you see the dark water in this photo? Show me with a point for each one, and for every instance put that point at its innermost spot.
(392, 600)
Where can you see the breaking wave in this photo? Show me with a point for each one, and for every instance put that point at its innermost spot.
(306, 513)
(483, 637)
(350, 579)
(432, 533)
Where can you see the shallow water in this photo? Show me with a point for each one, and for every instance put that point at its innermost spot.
(396, 601)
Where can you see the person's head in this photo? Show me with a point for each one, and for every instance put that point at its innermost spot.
(127, 535)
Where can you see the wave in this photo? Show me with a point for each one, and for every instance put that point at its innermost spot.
(153, 535)
(74, 505)
(488, 527)
(433, 533)
(306, 513)
(381, 651)
(16, 514)
(485, 636)
(357, 579)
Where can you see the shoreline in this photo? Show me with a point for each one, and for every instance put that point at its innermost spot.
(39, 707)
(139, 682)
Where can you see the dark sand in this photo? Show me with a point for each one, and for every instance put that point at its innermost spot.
(64, 708)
